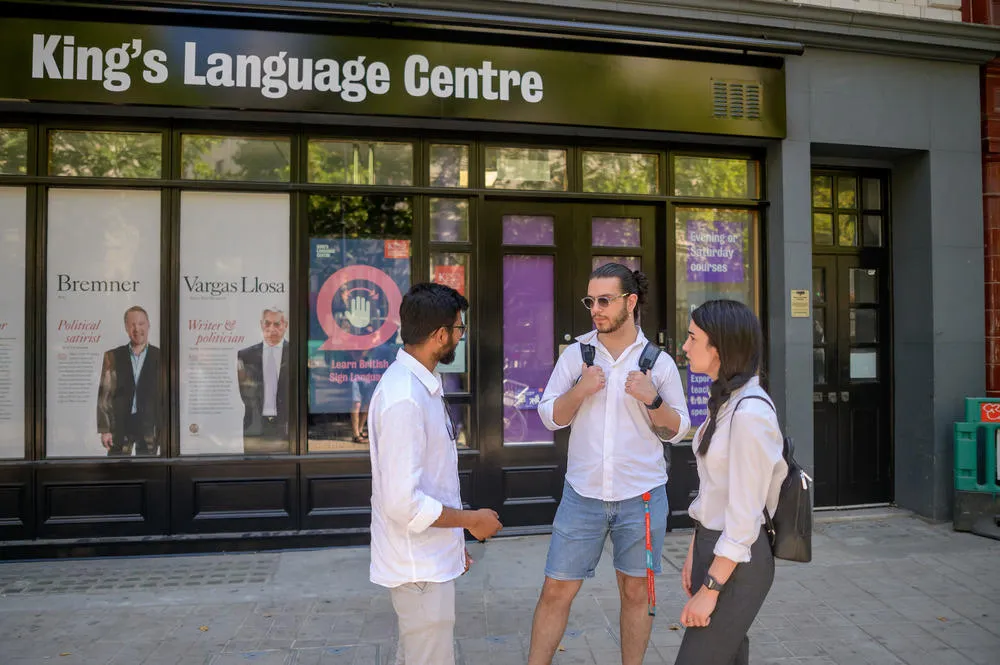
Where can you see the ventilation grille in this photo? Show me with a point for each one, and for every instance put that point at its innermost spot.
(736, 100)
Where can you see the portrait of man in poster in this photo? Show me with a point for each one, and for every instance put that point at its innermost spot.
(128, 397)
(262, 374)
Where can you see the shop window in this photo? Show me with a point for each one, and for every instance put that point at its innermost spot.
(716, 177)
(105, 154)
(449, 220)
(104, 369)
(359, 269)
(529, 230)
(233, 337)
(452, 269)
(621, 173)
(13, 151)
(13, 250)
(360, 163)
(615, 232)
(716, 250)
(449, 165)
(525, 168)
(631, 262)
(228, 158)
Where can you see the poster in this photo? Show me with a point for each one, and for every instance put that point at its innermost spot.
(103, 362)
(355, 289)
(234, 329)
(453, 276)
(12, 341)
(698, 387)
(715, 251)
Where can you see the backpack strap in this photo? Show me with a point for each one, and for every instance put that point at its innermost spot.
(589, 352)
(786, 442)
(647, 360)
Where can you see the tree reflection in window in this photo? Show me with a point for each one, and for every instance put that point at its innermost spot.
(361, 216)
(716, 177)
(360, 163)
(13, 151)
(105, 154)
(235, 158)
(620, 173)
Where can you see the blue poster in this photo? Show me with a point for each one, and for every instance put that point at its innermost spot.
(698, 389)
(355, 289)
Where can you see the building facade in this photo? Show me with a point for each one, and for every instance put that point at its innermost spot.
(211, 211)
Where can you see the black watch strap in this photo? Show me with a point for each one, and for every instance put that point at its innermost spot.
(713, 584)
(655, 404)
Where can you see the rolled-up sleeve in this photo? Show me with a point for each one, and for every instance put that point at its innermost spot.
(670, 389)
(564, 376)
(400, 465)
(753, 454)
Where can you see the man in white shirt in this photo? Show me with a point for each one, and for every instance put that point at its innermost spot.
(262, 374)
(417, 543)
(620, 418)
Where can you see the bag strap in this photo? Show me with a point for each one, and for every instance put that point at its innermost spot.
(647, 360)
(589, 352)
(768, 522)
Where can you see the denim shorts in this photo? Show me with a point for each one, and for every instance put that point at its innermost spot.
(582, 526)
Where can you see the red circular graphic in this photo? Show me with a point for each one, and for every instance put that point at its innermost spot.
(339, 339)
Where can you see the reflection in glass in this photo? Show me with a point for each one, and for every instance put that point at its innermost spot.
(452, 269)
(359, 267)
(525, 168)
(458, 423)
(13, 261)
(529, 230)
(822, 228)
(528, 345)
(615, 232)
(847, 230)
(819, 326)
(106, 154)
(360, 163)
(872, 193)
(819, 286)
(872, 230)
(822, 191)
(716, 177)
(449, 220)
(449, 165)
(864, 326)
(847, 193)
(13, 151)
(620, 173)
(235, 158)
(819, 366)
(864, 286)
(632, 262)
(864, 364)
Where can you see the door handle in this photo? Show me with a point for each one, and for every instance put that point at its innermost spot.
(845, 396)
(831, 397)
(818, 398)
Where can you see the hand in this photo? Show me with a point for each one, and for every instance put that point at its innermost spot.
(640, 386)
(686, 575)
(359, 314)
(591, 380)
(485, 524)
(698, 611)
(106, 440)
(468, 561)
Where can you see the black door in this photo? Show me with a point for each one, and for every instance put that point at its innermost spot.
(852, 361)
(534, 282)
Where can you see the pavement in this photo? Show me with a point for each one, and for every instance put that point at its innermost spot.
(884, 587)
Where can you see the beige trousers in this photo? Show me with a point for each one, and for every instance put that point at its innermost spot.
(426, 614)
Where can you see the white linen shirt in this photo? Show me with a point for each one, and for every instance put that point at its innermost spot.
(414, 474)
(741, 472)
(613, 453)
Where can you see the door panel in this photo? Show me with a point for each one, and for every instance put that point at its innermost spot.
(825, 384)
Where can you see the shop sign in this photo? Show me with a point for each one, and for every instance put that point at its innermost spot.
(215, 68)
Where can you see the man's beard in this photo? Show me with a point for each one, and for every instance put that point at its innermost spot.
(449, 356)
(615, 324)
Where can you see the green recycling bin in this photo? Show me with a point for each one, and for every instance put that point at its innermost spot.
(977, 469)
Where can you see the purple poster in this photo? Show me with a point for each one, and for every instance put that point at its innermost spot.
(697, 395)
(715, 251)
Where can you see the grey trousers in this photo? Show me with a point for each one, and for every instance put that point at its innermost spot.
(724, 641)
(426, 614)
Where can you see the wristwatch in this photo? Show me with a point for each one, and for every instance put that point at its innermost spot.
(655, 404)
(713, 584)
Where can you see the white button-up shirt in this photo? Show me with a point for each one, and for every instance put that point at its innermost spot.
(414, 474)
(741, 472)
(613, 453)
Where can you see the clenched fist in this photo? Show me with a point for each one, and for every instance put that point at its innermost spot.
(591, 380)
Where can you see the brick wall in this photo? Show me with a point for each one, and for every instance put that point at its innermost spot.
(941, 10)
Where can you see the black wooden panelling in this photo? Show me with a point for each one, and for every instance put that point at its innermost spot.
(682, 485)
(110, 500)
(338, 495)
(16, 518)
(242, 495)
(466, 489)
(530, 485)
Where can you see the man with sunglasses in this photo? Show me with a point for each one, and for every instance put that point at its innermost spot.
(417, 543)
(620, 418)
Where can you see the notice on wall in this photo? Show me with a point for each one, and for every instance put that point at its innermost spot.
(103, 377)
(234, 355)
(356, 287)
(698, 387)
(715, 251)
(12, 339)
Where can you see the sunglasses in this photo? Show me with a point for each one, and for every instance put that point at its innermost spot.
(602, 301)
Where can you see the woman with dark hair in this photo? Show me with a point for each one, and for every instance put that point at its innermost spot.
(729, 567)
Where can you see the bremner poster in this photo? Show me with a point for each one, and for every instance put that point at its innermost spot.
(103, 372)
(12, 343)
(234, 354)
